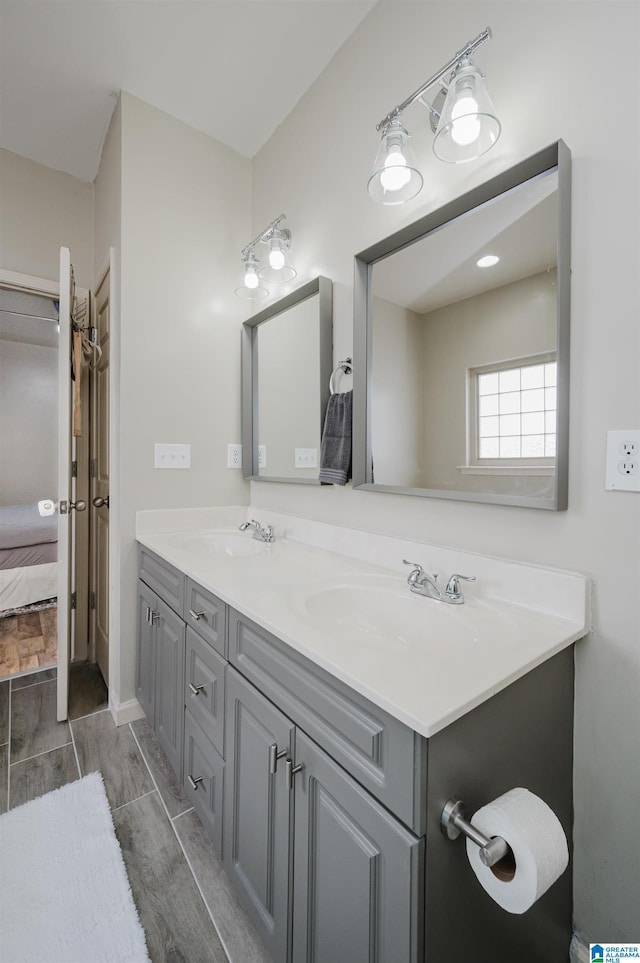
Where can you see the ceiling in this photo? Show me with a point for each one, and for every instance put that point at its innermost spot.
(231, 68)
(519, 226)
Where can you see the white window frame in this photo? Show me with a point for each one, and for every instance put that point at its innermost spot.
(500, 466)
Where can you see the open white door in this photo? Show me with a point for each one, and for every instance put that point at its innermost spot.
(64, 485)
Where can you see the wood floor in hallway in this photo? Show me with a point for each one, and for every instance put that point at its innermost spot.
(28, 641)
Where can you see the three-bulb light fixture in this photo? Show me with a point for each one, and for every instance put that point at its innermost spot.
(277, 269)
(464, 125)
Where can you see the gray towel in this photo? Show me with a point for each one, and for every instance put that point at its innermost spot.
(335, 450)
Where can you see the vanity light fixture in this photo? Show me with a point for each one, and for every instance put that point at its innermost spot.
(487, 261)
(465, 127)
(278, 268)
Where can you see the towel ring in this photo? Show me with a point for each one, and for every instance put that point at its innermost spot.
(346, 366)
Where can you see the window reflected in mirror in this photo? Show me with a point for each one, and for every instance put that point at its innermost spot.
(464, 324)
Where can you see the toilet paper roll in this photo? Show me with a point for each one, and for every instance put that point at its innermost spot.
(46, 507)
(538, 843)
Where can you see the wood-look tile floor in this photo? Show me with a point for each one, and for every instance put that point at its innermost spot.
(183, 896)
(28, 641)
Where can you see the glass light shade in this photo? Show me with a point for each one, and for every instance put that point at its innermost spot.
(395, 177)
(251, 289)
(468, 126)
(279, 268)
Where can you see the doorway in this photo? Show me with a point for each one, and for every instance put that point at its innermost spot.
(28, 480)
(30, 375)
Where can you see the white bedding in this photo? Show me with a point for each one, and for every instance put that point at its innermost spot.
(22, 586)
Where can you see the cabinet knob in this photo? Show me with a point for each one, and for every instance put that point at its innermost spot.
(100, 502)
(194, 783)
(195, 688)
(196, 615)
(291, 771)
(274, 755)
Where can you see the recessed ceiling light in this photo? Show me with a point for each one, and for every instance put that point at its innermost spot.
(488, 261)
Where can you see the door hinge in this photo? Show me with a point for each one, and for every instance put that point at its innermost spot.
(93, 468)
(74, 469)
(92, 600)
(74, 599)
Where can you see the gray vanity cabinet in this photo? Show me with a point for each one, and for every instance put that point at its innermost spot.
(257, 810)
(307, 846)
(357, 870)
(160, 671)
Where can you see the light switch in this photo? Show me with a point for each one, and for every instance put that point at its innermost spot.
(306, 458)
(172, 456)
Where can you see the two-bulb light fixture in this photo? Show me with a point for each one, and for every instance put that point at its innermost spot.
(464, 125)
(276, 269)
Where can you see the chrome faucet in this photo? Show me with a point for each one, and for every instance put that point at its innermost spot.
(422, 583)
(262, 534)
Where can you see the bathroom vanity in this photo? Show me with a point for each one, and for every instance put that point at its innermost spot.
(323, 791)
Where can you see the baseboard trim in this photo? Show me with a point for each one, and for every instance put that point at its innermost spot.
(578, 951)
(125, 712)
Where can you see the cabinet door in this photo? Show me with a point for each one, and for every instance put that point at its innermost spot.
(357, 870)
(145, 658)
(256, 844)
(169, 716)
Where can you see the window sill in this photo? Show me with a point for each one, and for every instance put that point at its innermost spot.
(522, 470)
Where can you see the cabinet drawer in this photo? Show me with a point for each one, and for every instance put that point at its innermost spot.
(204, 672)
(385, 756)
(163, 579)
(207, 615)
(205, 766)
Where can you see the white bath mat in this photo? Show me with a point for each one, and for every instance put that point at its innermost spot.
(64, 892)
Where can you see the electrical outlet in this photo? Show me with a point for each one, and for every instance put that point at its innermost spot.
(306, 458)
(628, 448)
(172, 456)
(623, 461)
(262, 456)
(234, 456)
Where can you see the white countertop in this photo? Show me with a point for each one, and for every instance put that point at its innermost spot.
(461, 655)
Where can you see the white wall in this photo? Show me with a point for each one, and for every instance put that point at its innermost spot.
(185, 219)
(398, 402)
(28, 422)
(40, 211)
(545, 67)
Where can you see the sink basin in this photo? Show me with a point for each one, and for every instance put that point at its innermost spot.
(218, 542)
(380, 609)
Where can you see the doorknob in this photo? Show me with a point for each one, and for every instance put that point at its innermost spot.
(99, 502)
(64, 507)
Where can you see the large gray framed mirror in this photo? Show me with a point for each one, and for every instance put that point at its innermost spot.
(461, 345)
(286, 367)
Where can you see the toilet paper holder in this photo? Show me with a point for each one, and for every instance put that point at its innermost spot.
(453, 822)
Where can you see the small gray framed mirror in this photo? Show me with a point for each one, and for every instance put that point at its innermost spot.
(461, 345)
(286, 367)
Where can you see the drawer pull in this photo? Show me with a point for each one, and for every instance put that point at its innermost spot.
(194, 783)
(196, 615)
(195, 688)
(152, 616)
(274, 755)
(291, 771)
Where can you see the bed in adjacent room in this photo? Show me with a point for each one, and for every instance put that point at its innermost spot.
(28, 554)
